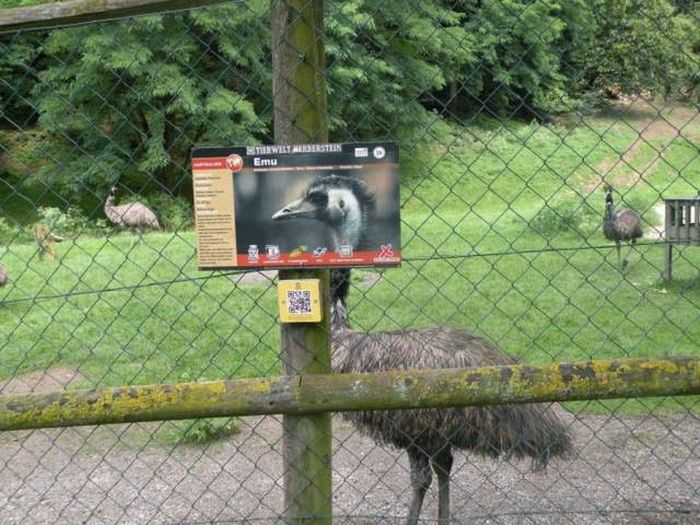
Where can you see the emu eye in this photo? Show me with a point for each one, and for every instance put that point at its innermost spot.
(318, 198)
(341, 203)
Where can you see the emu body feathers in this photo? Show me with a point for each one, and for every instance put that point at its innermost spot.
(133, 215)
(429, 435)
(517, 430)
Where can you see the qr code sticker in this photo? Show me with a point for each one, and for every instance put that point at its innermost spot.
(299, 301)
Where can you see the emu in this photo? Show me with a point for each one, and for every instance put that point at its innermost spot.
(620, 225)
(428, 435)
(134, 215)
(3, 276)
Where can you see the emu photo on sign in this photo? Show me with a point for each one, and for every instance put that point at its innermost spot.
(302, 205)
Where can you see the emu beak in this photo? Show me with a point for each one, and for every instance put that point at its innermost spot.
(297, 209)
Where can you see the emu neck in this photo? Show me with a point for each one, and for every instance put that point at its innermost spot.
(109, 208)
(339, 317)
(346, 233)
(349, 231)
(341, 334)
(609, 211)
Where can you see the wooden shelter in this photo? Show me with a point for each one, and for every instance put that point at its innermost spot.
(681, 226)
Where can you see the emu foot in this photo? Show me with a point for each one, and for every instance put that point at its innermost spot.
(624, 264)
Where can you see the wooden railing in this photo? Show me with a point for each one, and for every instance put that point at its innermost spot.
(322, 393)
(50, 15)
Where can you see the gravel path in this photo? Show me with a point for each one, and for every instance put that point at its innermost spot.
(630, 471)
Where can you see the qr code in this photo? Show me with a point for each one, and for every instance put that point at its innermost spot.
(299, 301)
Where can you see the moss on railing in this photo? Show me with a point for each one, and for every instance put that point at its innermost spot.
(624, 378)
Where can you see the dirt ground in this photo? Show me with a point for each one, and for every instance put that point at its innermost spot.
(627, 470)
(651, 120)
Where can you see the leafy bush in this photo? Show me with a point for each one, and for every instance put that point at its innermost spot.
(175, 91)
(205, 430)
(10, 233)
(566, 215)
(174, 213)
(71, 222)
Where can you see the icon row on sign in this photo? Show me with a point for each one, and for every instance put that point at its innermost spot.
(272, 252)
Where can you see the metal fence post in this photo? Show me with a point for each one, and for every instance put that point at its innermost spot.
(299, 92)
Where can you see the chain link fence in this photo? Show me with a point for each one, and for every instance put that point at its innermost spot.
(513, 116)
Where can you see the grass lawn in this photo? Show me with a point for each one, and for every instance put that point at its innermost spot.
(472, 260)
(6, 4)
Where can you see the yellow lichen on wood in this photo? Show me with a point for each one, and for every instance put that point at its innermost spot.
(318, 393)
(137, 403)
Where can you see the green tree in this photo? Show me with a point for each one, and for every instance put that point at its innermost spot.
(522, 46)
(642, 45)
(387, 60)
(127, 100)
(20, 60)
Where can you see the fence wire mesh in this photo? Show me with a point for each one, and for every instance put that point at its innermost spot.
(513, 117)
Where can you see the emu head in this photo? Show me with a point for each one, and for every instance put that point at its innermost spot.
(344, 203)
(608, 195)
(608, 199)
(111, 197)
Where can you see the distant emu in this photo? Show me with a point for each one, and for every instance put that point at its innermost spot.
(135, 216)
(427, 435)
(623, 225)
(3, 276)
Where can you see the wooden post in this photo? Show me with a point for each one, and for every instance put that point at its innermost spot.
(669, 235)
(668, 261)
(299, 93)
(668, 220)
(677, 220)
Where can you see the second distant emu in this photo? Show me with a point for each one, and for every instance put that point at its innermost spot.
(134, 215)
(620, 225)
(428, 435)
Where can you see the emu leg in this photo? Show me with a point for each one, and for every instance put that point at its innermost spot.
(442, 465)
(668, 262)
(617, 247)
(625, 260)
(137, 236)
(421, 477)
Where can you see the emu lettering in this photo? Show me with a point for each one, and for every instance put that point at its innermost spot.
(264, 163)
